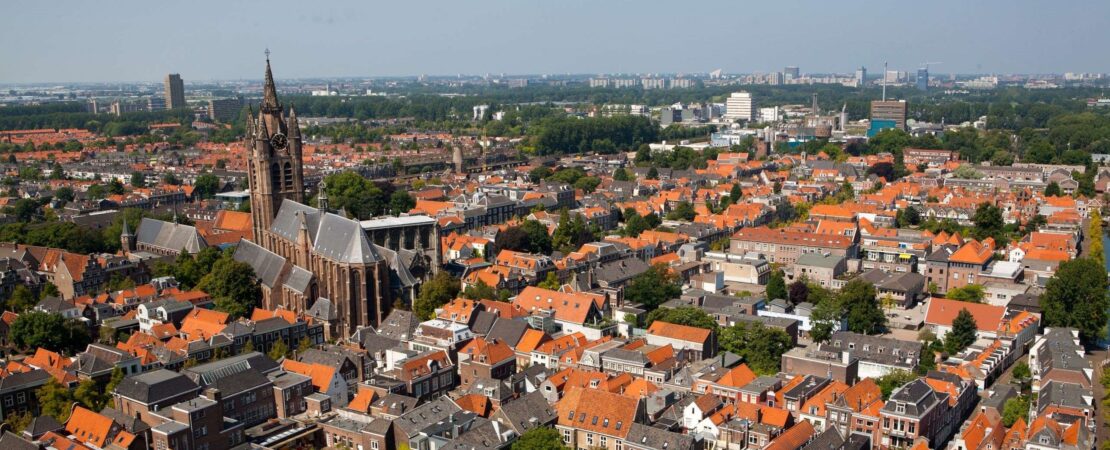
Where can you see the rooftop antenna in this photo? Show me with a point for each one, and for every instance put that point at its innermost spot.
(884, 80)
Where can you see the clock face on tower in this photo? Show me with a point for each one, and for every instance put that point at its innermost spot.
(278, 141)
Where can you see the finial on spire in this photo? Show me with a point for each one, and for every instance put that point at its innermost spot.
(269, 91)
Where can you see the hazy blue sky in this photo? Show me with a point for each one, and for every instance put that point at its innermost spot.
(78, 40)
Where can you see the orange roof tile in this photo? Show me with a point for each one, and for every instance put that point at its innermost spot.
(680, 332)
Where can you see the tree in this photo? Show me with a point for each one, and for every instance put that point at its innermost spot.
(571, 232)
(1095, 249)
(864, 314)
(18, 422)
(988, 221)
(551, 282)
(278, 350)
(171, 179)
(233, 286)
(1076, 297)
(539, 174)
(90, 395)
(587, 184)
(685, 315)
(634, 224)
(963, 334)
(891, 381)
(1014, 409)
(972, 293)
(798, 292)
(479, 291)
(539, 438)
(21, 299)
(760, 346)
(206, 186)
(776, 286)
(683, 211)
(304, 345)
(358, 196)
(138, 179)
(530, 237)
(115, 380)
(115, 187)
(621, 175)
(735, 193)
(907, 216)
(434, 293)
(401, 202)
(55, 400)
(653, 174)
(248, 347)
(1021, 371)
(653, 287)
(64, 194)
(34, 329)
(1052, 190)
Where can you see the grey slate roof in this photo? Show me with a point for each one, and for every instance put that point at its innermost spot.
(41, 425)
(399, 325)
(508, 331)
(895, 281)
(1055, 393)
(333, 236)
(819, 260)
(299, 280)
(827, 440)
(620, 270)
(11, 441)
(170, 236)
(916, 396)
(267, 265)
(527, 412)
(876, 349)
(427, 415)
(155, 386)
(342, 239)
(483, 435)
(642, 435)
(483, 322)
(208, 373)
(240, 382)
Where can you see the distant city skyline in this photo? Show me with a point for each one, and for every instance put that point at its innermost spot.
(75, 41)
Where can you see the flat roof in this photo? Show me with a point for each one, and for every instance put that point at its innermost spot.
(389, 222)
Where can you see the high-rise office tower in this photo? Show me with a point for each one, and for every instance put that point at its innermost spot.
(792, 72)
(175, 91)
(892, 110)
(224, 110)
(861, 76)
(923, 79)
(740, 106)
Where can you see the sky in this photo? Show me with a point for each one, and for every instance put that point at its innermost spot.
(133, 40)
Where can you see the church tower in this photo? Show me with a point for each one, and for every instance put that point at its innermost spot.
(274, 164)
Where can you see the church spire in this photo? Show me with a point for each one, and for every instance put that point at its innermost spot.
(293, 125)
(269, 91)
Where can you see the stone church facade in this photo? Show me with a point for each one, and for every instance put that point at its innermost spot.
(310, 260)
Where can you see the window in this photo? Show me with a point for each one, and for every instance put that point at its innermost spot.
(604, 444)
(566, 436)
(21, 398)
(589, 439)
(374, 445)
